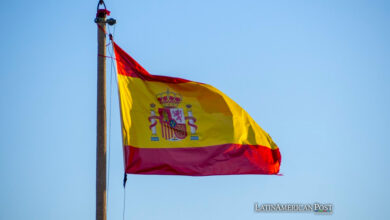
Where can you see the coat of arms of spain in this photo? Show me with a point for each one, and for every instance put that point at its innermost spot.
(172, 118)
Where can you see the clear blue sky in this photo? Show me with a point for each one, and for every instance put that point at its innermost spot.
(313, 74)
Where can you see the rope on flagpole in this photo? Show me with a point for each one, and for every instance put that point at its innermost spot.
(112, 70)
(124, 202)
(109, 136)
(111, 52)
(113, 67)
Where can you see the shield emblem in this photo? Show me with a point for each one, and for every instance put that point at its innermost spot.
(173, 123)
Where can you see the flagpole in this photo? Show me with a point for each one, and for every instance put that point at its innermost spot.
(101, 142)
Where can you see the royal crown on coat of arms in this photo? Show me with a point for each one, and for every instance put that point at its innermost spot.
(169, 99)
(172, 118)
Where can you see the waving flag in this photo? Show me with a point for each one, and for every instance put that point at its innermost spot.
(175, 126)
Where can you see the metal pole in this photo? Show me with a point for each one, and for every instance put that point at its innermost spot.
(101, 146)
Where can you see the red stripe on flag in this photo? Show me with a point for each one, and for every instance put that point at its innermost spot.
(129, 67)
(203, 161)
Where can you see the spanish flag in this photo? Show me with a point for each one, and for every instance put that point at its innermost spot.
(175, 126)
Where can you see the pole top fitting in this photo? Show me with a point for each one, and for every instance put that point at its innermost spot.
(101, 2)
(102, 12)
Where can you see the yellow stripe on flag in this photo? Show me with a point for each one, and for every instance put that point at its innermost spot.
(219, 119)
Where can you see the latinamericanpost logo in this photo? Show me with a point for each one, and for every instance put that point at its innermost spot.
(317, 208)
(172, 118)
